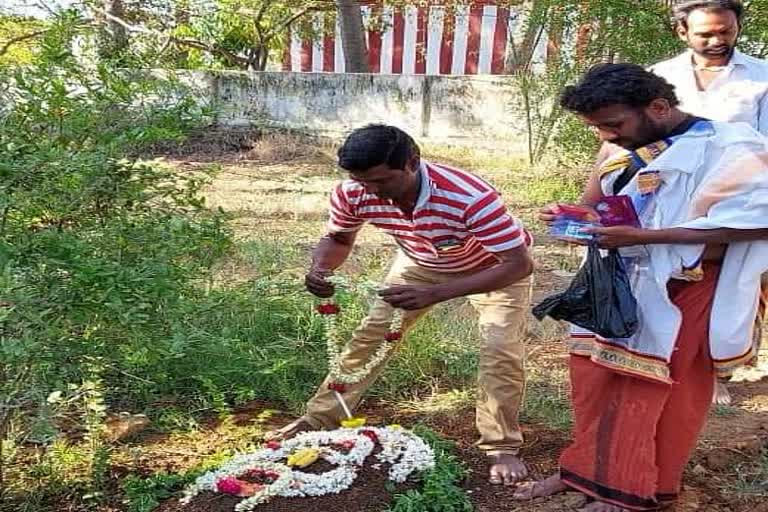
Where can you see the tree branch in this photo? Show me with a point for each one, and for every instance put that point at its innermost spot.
(260, 13)
(284, 24)
(232, 58)
(192, 43)
(14, 40)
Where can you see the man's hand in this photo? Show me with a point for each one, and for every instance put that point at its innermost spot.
(316, 283)
(548, 214)
(410, 297)
(618, 236)
(551, 212)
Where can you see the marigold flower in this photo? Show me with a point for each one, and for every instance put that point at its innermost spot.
(353, 422)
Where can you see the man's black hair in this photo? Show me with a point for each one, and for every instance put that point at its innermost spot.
(377, 144)
(683, 10)
(616, 84)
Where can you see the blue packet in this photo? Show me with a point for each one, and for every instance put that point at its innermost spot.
(570, 229)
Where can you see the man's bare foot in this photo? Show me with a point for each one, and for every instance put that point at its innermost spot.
(721, 396)
(543, 488)
(506, 469)
(599, 506)
(290, 430)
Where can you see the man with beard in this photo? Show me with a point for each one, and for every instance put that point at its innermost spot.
(712, 78)
(715, 80)
(700, 189)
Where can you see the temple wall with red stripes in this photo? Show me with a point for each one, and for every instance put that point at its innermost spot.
(432, 40)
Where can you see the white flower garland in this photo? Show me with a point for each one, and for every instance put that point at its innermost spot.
(334, 343)
(236, 467)
(403, 450)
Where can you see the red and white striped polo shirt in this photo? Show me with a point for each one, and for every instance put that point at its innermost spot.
(458, 223)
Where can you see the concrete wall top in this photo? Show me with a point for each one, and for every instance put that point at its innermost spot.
(457, 109)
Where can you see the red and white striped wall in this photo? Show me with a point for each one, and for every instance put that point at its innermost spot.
(425, 40)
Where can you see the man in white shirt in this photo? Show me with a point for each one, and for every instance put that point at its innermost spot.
(712, 79)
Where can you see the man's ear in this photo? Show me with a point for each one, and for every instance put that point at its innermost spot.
(413, 164)
(659, 108)
(682, 33)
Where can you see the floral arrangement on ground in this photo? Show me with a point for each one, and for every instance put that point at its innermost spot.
(314, 464)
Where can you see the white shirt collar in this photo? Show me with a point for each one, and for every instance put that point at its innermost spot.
(737, 59)
(426, 185)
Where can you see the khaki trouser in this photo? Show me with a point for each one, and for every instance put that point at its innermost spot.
(501, 380)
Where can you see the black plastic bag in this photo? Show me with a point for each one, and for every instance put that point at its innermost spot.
(598, 299)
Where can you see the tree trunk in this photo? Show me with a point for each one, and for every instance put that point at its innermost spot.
(555, 38)
(353, 36)
(583, 36)
(519, 55)
(113, 38)
(181, 18)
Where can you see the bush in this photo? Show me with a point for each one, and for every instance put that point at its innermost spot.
(98, 249)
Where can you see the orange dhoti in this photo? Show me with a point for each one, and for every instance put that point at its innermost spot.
(632, 436)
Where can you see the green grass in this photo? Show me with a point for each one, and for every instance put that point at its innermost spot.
(546, 399)
(439, 353)
(752, 476)
(440, 488)
(725, 411)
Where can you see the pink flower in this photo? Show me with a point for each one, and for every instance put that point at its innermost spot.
(347, 444)
(328, 309)
(370, 434)
(229, 485)
(273, 444)
(337, 386)
(271, 475)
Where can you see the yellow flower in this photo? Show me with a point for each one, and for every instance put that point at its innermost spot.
(303, 457)
(395, 426)
(353, 422)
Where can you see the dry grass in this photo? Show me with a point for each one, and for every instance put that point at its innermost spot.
(285, 147)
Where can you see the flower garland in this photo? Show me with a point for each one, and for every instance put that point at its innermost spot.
(404, 451)
(228, 479)
(329, 310)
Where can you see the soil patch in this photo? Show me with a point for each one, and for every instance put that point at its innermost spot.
(371, 492)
